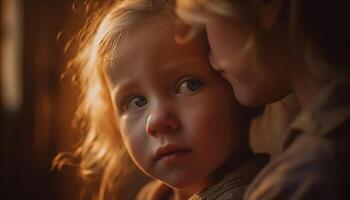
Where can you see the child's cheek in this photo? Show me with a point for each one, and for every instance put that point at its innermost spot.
(137, 142)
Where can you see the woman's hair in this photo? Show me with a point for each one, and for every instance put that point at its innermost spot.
(101, 157)
(319, 28)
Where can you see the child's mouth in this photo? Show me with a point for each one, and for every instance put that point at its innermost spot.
(171, 152)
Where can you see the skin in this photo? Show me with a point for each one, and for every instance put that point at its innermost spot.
(273, 66)
(167, 93)
(253, 56)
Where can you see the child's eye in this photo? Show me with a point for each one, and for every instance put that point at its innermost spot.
(135, 102)
(189, 86)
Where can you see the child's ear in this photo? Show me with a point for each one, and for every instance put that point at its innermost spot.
(269, 13)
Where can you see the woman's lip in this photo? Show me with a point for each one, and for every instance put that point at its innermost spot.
(169, 150)
(214, 64)
(215, 67)
(223, 73)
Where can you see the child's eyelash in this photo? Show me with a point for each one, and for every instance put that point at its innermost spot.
(123, 103)
(126, 101)
(188, 78)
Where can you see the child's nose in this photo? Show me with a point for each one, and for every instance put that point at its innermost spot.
(160, 123)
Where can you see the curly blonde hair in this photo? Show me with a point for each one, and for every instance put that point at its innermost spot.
(101, 155)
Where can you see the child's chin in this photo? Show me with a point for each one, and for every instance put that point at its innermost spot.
(177, 183)
(187, 183)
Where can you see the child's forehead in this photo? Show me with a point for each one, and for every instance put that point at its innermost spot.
(152, 25)
(152, 42)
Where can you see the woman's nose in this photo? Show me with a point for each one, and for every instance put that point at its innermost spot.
(160, 123)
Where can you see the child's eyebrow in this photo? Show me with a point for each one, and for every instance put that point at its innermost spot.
(182, 65)
(120, 87)
(119, 90)
(173, 67)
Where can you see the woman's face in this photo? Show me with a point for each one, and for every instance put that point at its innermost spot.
(249, 58)
(176, 114)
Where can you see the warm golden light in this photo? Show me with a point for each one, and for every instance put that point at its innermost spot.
(11, 74)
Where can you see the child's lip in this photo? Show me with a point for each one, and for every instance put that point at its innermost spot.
(169, 150)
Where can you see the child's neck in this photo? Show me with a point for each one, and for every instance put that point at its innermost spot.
(184, 194)
(180, 195)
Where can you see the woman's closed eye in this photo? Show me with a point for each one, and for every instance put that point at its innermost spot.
(134, 103)
(189, 86)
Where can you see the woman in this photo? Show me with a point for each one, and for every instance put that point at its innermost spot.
(269, 49)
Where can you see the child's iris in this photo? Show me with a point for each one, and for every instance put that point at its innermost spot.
(135, 103)
(140, 101)
(189, 86)
(193, 84)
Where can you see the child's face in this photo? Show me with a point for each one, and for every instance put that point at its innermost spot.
(176, 114)
(256, 69)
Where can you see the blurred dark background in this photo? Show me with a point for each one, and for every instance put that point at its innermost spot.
(37, 103)
(37, 106)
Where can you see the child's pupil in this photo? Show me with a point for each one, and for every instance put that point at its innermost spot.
(193, 84)
(141, 101)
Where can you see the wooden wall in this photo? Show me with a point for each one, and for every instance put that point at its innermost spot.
(40, 128)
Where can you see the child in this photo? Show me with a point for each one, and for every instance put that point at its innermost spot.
(162, 104)
(268, 49)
